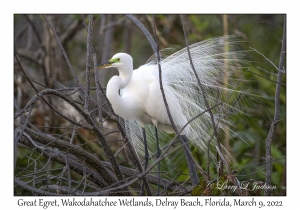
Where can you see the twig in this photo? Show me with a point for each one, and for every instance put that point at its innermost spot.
(266, 71)
(98, 92)
(268, 192)
(232, 176)
(33, 189)
(63, 190)
(266, 78)
(145, 31)
(192, 171)
(29, 56)
(73, 134)
(17, 137)
(278, 69)
(31, 141)
(16, 105)
(159, 36)
(201, 88)
(112, 24)
(82, 180)
(88, 64)
(71, 31)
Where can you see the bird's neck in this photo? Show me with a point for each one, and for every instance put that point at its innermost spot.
(125, 75)
(114, 85)
(112, 90)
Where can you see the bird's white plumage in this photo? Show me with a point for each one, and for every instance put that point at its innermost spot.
(140, 99)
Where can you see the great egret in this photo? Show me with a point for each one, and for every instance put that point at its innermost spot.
(135, 95)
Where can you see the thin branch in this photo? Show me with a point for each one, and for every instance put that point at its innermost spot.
(278, 69)
(64, 190)
(33, 189)
(201, 88)
(232, 176)
(29, 56)
(98, 92)
(145, 31)
(266, 78)
(88, 64)
(71, 31)
(266, 71)
(268, 191)
(17, 137)
(30, 79)
(189, 158)
(16, 105)
(90, 52)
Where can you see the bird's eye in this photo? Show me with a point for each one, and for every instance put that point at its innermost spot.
(118, 59)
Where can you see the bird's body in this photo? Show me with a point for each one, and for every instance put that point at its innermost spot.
(141, 99)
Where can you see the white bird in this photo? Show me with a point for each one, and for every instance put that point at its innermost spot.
(135, 95)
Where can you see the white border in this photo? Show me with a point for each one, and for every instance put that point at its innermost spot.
(155, 6)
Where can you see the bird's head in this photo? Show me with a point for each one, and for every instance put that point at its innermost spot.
(119, 61)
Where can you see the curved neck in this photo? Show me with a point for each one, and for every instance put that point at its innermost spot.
(119, 82)
(125, 74)
(112, 90)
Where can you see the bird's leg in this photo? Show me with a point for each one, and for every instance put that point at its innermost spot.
(191, 165)
(158, 164)
(146, 149)
(146, 157)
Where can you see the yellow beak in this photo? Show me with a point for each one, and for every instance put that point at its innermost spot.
(103, 65)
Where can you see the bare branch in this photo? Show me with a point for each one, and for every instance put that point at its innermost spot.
(88, 64)
(201, 88)
(268, 191)
(145, 31)
(282, 70)
(33, 189)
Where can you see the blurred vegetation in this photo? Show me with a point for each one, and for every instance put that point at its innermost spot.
(116, 33)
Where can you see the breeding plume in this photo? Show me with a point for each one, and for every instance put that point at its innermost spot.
(135, 95)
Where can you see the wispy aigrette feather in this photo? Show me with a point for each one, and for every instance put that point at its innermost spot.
(212, 64)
